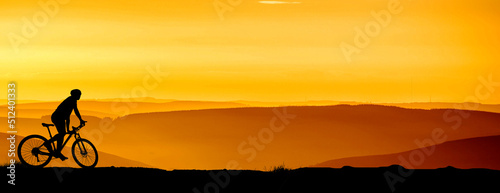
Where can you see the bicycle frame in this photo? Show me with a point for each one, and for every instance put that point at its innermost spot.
(37, 151)
(53, 145)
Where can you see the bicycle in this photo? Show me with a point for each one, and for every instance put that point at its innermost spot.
(34, 153)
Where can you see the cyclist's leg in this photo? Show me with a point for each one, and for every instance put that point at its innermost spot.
(61, 129)
(60, 137)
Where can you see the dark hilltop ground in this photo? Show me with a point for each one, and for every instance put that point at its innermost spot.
(307, 180)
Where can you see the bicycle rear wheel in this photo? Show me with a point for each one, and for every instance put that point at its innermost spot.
(31, 151)
(84, 153)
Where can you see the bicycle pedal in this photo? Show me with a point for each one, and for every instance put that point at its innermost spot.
(63, 158)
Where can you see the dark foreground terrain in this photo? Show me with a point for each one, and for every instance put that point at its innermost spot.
(308, 180)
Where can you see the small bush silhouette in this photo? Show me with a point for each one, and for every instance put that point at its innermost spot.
(280, 168)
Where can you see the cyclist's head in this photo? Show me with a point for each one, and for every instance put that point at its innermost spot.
(76, 93)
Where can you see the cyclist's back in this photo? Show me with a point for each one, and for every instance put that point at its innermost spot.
(65, 109)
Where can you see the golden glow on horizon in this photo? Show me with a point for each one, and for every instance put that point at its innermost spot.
(261, 51)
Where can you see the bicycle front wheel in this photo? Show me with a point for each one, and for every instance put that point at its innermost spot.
(84, 153)
(31, 151)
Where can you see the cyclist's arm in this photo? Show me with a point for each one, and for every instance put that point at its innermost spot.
(77, 113)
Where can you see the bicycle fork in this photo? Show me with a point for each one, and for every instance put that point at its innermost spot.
(81, 147)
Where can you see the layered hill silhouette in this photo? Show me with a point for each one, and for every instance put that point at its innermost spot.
(180, 139)
(481, 152)
(105, 159)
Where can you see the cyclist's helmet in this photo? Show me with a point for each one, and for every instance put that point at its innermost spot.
(76, 92)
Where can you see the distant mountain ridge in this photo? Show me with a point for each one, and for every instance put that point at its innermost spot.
(120, 107)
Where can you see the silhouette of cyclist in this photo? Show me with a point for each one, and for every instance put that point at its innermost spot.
(60, 118)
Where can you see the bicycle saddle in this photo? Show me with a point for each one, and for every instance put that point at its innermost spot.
(47, 125)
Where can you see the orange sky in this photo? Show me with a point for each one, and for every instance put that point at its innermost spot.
(281, 51)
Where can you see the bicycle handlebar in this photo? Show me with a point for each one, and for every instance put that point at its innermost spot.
(79, 127)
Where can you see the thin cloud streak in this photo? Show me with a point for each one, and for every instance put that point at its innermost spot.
(278, 2)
